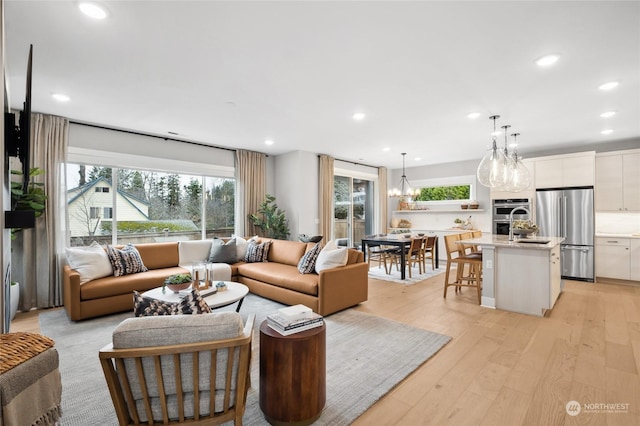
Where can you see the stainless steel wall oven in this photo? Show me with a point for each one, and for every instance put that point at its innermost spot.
(502, 209)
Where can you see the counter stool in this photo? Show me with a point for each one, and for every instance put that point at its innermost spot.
(457, 255)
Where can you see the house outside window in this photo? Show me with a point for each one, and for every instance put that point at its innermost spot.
(147, 205)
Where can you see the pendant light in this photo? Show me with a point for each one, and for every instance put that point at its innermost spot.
(492, 160)
(521, 178)
(501, 175)
(405, 188)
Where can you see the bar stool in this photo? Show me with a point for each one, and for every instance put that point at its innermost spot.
(456, 255)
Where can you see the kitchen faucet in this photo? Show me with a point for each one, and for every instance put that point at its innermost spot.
(511, 220)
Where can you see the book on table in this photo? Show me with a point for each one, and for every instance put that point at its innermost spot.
(284, 326)
(296, 329)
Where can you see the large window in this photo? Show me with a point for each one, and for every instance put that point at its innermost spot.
(444, 193)
(147, 205)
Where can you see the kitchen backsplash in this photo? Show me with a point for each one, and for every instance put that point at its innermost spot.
(617, 223)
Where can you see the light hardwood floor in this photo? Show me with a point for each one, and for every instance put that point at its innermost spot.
(503, 368)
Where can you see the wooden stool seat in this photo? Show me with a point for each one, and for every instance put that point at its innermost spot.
(456, 254)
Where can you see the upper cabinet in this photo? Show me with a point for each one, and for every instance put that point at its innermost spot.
(618, 181)
(561, 171)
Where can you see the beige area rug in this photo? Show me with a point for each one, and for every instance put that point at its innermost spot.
(380, 274)
(366, 357)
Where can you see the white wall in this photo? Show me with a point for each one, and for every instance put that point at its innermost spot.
(296, 183)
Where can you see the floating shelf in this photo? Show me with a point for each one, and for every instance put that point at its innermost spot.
(439, 211)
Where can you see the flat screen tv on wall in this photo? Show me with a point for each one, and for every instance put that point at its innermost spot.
(17, 145)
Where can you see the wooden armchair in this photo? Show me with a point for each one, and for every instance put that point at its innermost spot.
(162, 369)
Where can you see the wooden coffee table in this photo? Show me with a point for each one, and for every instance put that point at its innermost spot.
(235, 292)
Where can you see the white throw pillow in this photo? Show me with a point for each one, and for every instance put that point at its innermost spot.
(91, 262)
(193, 251)
(331, 256)
(241, 246)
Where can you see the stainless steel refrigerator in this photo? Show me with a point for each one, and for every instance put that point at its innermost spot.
(569, 213)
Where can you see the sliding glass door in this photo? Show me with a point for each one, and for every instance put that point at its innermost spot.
(353, 209)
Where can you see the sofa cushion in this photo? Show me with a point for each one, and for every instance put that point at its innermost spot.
(286, 252)
(91, 262)
(307, 264)
(193, 251)
(257, 252)
(159, 255)
(115, 286)
(191, 303)
(280, 275)
(331, 256)
(222, 252)
(125, 261)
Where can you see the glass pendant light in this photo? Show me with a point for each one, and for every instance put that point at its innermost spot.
(492, 160)
(501, 175)
(521, 178)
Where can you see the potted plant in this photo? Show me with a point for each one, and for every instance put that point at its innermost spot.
(177, 282)
(32, 201)
(14, 298)
(271, 220)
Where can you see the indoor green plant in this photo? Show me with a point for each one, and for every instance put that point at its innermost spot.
(33, 199)
(177, 282)
(270, 219)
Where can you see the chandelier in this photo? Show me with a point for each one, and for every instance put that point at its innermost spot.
(405, 188)
(501, 169)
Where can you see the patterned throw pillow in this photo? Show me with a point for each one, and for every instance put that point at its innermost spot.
(125, 261)
(257, 252)
(307, 264)
(192, 303)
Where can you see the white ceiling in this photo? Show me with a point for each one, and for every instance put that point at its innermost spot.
(233, 74)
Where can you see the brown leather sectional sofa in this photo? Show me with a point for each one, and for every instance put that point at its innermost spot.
(278, 279)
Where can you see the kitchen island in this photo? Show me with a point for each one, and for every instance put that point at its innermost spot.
(521, 275)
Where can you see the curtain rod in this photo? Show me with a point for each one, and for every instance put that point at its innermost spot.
(152, 136)
(352, 162)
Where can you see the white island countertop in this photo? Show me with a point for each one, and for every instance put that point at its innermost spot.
(536, 243)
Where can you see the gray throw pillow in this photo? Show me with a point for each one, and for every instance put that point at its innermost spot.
(223, 253)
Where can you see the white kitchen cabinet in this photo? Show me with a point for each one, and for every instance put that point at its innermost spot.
(617, 185)
(634, 252)
(555, 275)
(613, 258)
(561, 171)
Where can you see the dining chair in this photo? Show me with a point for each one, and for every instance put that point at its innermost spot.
(456, 255)
(428, 252)
(378, 253)
(412, 255)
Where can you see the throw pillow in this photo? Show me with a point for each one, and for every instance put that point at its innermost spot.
(257, 252)
(191, 303)
(223, 253)
(331, 256)
(125, 261)
(307, 264)
(241, 246)
(90, 262)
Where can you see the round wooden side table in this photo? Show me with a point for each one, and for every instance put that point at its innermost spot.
(292, 375)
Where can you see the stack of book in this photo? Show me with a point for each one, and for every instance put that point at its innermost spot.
(294, 319)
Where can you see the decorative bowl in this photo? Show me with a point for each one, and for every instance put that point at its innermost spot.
(178, 287)
(464, 206)
(421, 234)
(524, 232)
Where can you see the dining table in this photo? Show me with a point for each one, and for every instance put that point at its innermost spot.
(400, 241)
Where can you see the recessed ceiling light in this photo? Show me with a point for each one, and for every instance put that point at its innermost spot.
(473, 115)
(386, 149)
(608, 114)
(608, 85)
(60, 97)
(93, 10)
(268, 142)
(607, 131)
(417, 159)
(359, 116)
(547, 60)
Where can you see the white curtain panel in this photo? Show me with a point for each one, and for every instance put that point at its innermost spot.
(251, 188)
(37, 253)
(382, 194)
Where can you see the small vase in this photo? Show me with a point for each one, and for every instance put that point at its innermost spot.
(14, 298)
